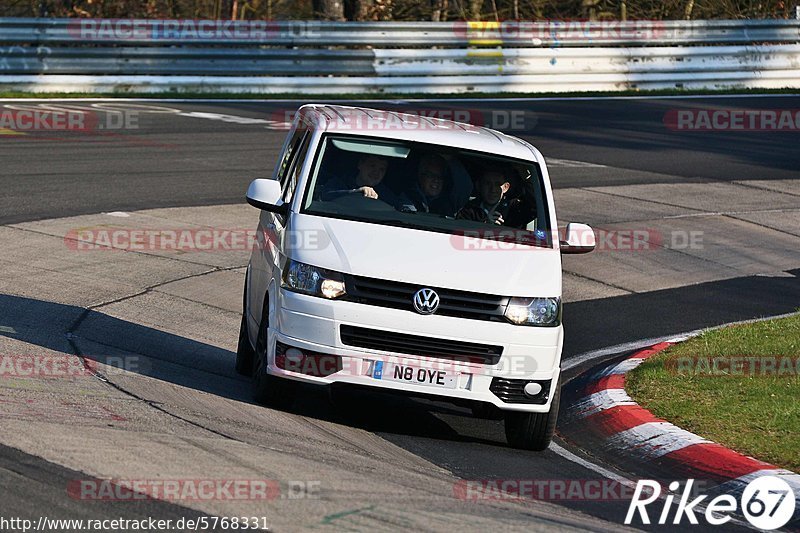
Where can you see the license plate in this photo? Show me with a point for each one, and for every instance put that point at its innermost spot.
(416, 375)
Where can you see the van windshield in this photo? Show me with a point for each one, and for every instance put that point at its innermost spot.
(429, 187)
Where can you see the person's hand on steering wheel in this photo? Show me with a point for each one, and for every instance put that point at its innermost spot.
(369, 192)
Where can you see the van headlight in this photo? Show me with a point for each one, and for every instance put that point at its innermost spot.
(307, 279)
(534, 311)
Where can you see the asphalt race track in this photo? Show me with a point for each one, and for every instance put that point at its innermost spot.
(192, 154)
(177, 161)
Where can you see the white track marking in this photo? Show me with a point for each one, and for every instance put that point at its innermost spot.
(586, 357)
(738, 484)
(235, 119)
(623, 368)
(652, 440)
(569, 163)
(56, 109)
(141, 108)
(608, 474)
(118, 108)
(601, 401)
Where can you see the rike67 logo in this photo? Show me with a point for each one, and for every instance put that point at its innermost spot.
(767, 503)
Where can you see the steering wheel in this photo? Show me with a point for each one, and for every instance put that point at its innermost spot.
(358, 203)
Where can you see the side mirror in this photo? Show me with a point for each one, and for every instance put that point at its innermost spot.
(266, 194)
(579, 239)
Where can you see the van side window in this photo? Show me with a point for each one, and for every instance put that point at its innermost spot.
(296, 169)
(288, 156)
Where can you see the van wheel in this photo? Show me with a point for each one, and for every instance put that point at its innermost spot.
(532, 431)
(244, 351)
(267, 389)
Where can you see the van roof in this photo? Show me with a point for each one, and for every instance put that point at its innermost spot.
(407, 127)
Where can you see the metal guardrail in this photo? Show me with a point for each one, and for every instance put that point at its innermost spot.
(35, 31)
(184, 61)
(307, 57)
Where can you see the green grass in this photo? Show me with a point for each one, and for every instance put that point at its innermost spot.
(757, 415)
(392, 96)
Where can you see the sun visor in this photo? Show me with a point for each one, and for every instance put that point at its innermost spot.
(373, 148)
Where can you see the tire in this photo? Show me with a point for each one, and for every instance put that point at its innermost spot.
(532, 431)
(244, 351)
(267, 389)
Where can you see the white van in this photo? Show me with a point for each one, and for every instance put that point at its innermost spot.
(413, 255)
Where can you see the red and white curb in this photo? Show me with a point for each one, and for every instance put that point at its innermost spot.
(628, 428)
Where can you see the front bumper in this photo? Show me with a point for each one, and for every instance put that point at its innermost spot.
(312, 324)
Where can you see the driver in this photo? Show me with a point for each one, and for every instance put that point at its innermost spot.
(368, 181)
(493, 206)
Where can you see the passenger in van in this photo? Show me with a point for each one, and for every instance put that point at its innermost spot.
(493, 206)
(441, 187)
(368, 181)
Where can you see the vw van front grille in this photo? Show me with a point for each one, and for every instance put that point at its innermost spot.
(403, 343)
(399, 295)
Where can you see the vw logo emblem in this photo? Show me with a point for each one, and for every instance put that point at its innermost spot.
(426, 301)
